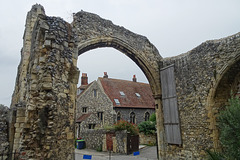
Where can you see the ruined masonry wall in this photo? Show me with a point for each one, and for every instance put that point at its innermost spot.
(196, 74)
(48, 113)
(4, 144)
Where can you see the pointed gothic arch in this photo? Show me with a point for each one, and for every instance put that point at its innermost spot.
(227, 82)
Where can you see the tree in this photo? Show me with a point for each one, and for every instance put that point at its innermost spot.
(147, 127)
(229, 125)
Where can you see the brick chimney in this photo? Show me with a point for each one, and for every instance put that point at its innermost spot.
(105, 75)
(84, 79)
(134, 79)
(84, 83)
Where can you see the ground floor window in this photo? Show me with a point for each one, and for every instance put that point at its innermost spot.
(132, 118)
(91, 126)
(118, 116)
(147, 116)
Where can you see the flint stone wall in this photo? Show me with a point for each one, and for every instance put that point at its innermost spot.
(139, 113)
(4, 118)
(100, 103)
(93, 137)
(150, 139)
(96, 138)
(197, 75)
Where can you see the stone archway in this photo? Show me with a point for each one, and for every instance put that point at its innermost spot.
(93, 32)
(226, 83)
(45, 92)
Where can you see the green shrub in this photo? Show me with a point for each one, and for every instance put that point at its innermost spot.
(125, 125)
(99, 148)
(229, 125)
(153, 117)
(213, 155)
(147, 127)
(108, 127)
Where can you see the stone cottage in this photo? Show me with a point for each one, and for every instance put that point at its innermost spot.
(107, 100)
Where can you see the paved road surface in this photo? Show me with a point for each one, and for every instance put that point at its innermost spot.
(147, 153)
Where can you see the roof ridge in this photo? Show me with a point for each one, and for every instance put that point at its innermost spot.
(101, 78)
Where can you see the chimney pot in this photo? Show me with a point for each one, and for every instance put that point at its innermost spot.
(105, 75)
(84, 79)
(134, 79)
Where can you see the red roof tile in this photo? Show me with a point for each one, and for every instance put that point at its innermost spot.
(83, 117)
(112, 88)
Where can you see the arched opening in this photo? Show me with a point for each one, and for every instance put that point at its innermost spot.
(112, 64)
(117, 65)
(227, 83)
(129, 51)
(147, 116)
(132, 118)
(118, 116)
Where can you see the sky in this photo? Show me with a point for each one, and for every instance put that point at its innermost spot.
(173, 26)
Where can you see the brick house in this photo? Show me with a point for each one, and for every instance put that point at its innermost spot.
(107, 100)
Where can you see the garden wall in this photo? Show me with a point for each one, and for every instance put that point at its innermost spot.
(150, 139)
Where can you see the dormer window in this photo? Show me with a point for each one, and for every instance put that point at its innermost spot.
(117, 101)
(138, 95)
(122, 93)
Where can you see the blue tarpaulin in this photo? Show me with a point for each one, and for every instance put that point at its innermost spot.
(87, 156)
(136, 153)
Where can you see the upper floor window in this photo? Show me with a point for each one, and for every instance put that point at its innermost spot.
(100, 115)
(147, 116)
(84, 109)
(132, 118)
(94, 93)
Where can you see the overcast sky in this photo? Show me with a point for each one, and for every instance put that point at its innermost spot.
(173, 26)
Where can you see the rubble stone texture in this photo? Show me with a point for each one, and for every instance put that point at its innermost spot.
(43, 102)
(100, 103)
(45, 92)
(4, 144)
(205, 77)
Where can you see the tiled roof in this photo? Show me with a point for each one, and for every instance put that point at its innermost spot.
(83, 117)
(131, 91)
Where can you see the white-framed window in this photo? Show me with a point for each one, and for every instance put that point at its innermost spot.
(100, 115)
(122, 93)
(84, 109)
(117, 101)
